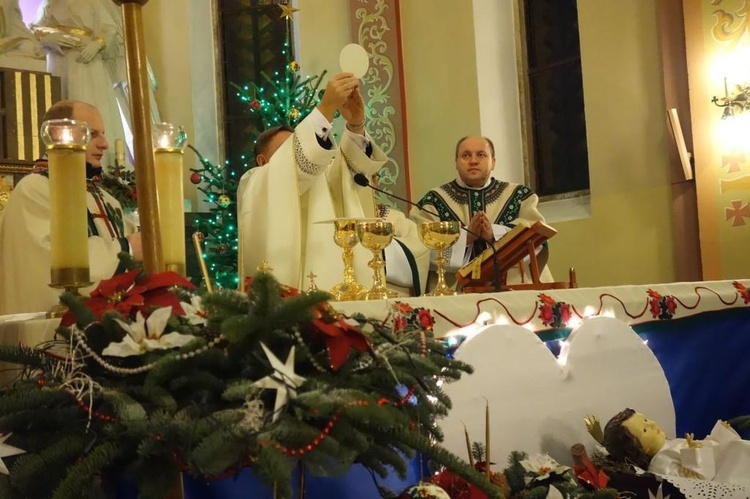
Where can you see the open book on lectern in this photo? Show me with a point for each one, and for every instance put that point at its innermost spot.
(518, 243)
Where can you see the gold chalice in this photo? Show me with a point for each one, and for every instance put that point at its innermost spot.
(345, 236)
(439, 236)
(375, 236)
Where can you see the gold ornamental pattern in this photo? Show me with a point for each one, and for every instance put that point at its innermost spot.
(373, 25)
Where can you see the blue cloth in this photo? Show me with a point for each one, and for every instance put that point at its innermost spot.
(705, 360)
(356, 483)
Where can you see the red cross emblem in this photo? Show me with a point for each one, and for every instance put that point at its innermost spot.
(738, 212)
(733, 161)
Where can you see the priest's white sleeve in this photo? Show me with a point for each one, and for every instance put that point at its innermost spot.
(398, 270)
(407, 258)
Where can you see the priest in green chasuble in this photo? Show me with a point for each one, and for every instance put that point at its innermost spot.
(486, 206)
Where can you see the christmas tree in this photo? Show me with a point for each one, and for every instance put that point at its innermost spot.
(217, 232)
(149, 380)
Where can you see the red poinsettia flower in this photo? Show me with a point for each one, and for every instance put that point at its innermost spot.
(546, 300)
(399, 324)
(587, 472)
(743, 291)
(564, 313)
(425, 319)
(671, 304)
(546, 314)
(654, 302)
(404, 308)
(156, 291)
(340, 336)
(127, 293)
(119, 293)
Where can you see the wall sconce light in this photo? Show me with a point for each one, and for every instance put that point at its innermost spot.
(735, 103)
(733, 128)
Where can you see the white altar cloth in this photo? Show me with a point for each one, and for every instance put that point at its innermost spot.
(630, 304)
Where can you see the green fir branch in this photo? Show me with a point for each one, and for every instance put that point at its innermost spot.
(126, 408)
(50, 462)
(82, 473)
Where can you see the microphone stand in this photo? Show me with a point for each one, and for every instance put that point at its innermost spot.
(361, 180)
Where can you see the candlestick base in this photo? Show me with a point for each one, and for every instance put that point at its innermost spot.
(70, 277)
(59, 309)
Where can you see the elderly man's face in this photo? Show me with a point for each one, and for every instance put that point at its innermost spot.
(98, 143)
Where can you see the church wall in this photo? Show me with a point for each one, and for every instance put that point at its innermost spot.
(318, 48)
(167, 41)
(718, 47)
(628, 237)
(440, 85)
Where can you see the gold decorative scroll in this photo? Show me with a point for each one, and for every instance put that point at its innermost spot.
(730, 26)
(375, 26)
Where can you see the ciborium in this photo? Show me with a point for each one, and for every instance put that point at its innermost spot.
(375, 236)
(439, 236)
(345, 237)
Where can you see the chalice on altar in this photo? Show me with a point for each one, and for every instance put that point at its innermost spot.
(375, 236)
(439, 236)
(345, 237)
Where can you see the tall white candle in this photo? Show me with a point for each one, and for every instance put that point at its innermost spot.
(68, 222)
(168, 172)
(66, 154)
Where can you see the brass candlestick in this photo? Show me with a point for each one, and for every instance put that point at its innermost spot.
(439, 236)
(66, 142)
(143, 150)
(345, 236)
(375, 236)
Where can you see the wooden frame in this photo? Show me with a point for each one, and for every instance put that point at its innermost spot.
(15, 169)
(11, 172)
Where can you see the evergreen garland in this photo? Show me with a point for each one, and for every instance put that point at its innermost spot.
(88, 418)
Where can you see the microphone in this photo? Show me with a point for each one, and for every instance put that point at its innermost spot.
(361, 180)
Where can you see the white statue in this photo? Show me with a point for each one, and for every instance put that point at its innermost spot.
(84, 43)
(16, 40)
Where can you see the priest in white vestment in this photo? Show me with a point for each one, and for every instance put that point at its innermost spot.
(306, 179)
(25, 227)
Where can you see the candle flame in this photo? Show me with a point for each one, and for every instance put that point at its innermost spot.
(164, 141)
(66, 136)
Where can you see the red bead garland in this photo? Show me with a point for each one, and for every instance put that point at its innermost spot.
(98, 415)
(301, 451)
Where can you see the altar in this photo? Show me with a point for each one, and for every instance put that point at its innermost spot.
(699, 333)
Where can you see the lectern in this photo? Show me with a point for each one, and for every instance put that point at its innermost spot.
(489, 271)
